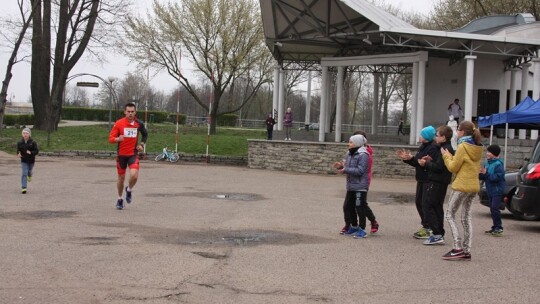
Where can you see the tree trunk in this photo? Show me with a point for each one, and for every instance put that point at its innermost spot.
(41, 68)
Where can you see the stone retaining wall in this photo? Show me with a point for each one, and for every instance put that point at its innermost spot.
(318, 158)
(195, 158)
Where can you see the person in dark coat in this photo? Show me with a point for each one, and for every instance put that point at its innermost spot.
(427, 148)
(270, 122)
(27, 149)
(438, 180)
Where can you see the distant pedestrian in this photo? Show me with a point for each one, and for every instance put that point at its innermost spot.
(455, 110)
(125, 133)
(493, 175)
(356, 168)
(288, 123)
(27, 149)
(400, 128)
(270, 122)
(453, 125)
(465, 165)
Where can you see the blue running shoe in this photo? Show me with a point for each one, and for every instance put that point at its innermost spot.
(120, 204)
(434, 240)
(352, 230)
(128, 196)
(360, 234)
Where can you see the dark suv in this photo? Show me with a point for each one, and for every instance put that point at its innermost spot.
(526, 200)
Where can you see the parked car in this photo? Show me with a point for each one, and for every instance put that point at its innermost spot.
(313, 126)
(526, 199)
(509, 190)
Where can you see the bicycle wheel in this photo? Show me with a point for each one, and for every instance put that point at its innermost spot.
(174, 157)
(160, 157)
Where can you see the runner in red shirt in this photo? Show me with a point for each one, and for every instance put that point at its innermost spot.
(125, 133)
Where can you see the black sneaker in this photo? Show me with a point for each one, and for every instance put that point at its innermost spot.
(120, 204)
(466, 256)
(454, 254)
(128, 196)
(490, 231)
(497, 232)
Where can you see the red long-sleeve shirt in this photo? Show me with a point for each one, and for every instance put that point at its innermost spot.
(130, 130)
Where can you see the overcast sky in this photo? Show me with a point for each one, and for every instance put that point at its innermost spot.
(19, 88)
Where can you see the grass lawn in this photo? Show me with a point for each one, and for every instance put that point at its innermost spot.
(192, 140)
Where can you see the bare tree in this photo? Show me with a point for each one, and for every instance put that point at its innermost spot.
(223, 39)
(73, 23)
(26, 18)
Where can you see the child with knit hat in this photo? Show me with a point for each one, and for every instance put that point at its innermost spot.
(356, 167)
(27, 149)
(427, 148)
(493, 175)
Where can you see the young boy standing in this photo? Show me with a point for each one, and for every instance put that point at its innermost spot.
(435, 191)
(427, 148)
(493, 175)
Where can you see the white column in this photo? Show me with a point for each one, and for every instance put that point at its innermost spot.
(324, 97)
(327, 126)
(469, 85)
(513, 89)
(275, 96)
(281, 105)
(536, 89)
(524, 91)
(414, 105)
(420, 97)
(374, 113)
(308, 101)
(339, 102)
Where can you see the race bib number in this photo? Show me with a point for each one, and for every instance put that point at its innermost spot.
(130, 132)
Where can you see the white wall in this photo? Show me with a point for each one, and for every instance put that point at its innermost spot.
(446, 82)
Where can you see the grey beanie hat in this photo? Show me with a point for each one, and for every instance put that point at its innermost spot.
(358, 140)
(27, 130)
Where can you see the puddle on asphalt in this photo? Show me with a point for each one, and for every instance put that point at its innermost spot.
(231, 238)
(210, 255)
(218, 237)
(98, 240)
(391, 197)
(36, 215)
(250, 197)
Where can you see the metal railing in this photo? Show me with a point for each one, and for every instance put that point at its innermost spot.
(345, 128)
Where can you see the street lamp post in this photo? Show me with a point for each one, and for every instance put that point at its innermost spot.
(111, 79)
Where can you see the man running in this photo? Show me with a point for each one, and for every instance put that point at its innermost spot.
(125, 133)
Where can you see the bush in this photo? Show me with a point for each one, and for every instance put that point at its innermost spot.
(227, 120)
(18, 119)
(86, 114)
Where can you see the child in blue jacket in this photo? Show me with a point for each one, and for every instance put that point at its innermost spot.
(493, 175)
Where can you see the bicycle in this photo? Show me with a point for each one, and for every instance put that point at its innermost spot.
(168, 155)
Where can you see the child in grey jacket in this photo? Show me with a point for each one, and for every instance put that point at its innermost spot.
(356, 168)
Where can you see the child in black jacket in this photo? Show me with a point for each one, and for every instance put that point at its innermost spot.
(27, 149)
(438, 180)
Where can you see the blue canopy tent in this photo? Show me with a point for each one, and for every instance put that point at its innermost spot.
(525, 115)
(515, 114)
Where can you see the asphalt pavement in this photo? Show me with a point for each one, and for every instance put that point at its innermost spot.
(198, 233)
